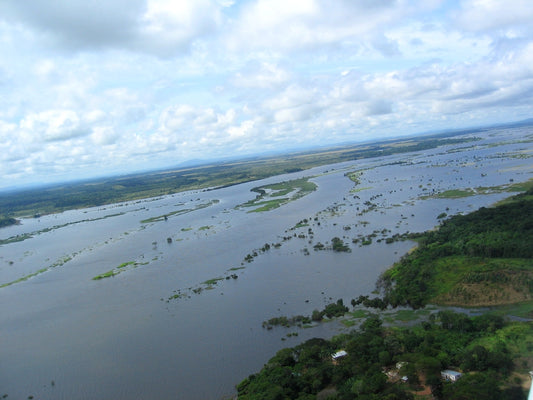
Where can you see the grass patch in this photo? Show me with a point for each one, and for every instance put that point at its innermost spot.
(107, 274)
(115, 271)
(125, 264)
(165, 217)
(348, 322)
(236, 268)
(359, 314)
(214, 281)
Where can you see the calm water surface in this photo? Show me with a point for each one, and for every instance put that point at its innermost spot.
(64, 335)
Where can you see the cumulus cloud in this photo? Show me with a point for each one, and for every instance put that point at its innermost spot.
(303, 24)
(491, 15)
(161, 27)
(91, 87)
(55, 125)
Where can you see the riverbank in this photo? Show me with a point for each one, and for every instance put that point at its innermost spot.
(490, 353)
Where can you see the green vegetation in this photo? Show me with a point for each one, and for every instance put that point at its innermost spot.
(332, 310)
(165, 217)
(58, 198)
(7, 221)
(492, 355)
(273, 196)
(338, 245)
(483, 258)
(115, 271)
(458, 193)
(58, 263)
(22, 237)
(213, 281)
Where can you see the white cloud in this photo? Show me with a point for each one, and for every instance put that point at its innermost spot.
(161, 27)
(152, 83)
(54, 125)
(489, 15)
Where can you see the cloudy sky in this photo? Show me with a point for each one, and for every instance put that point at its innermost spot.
(89, 88)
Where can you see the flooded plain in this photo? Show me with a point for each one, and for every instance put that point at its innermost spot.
(186, 280)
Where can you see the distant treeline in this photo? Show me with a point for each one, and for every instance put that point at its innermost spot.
(57, 198)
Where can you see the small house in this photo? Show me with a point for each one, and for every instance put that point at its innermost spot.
(450, 375)
(338, 355)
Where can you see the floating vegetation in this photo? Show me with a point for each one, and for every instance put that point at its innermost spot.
(206, 285)
(58, 263)
(116, 271)
(24, 236)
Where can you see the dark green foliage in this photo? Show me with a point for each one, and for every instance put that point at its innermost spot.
(502, 232)
(337, 309)
(480, 386)
(338, 245)
(423, 350)
(6, 221)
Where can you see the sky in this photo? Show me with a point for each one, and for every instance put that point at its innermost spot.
(92, 88)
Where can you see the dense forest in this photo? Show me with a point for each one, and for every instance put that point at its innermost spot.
(485, 256)
(403, 363)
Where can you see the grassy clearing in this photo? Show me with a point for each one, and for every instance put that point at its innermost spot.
(482, 282)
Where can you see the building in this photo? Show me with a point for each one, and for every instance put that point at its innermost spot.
(338, 355)
(450, 375)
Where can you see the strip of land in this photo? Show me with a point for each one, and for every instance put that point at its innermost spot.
(58, 198)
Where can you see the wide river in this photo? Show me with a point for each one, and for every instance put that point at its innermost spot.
(158, 329)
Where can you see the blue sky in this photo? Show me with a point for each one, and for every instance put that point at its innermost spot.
(95, 88)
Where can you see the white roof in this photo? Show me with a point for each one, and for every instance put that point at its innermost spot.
(450, 372)
(340, 353)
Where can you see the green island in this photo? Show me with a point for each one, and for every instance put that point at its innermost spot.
(484, 258)
(458, 193)
(165, 217)
(273, 196)
(115, 271)
(58, 263)
(135, 187)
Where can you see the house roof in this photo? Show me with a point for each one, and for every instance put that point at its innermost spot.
(340, 353)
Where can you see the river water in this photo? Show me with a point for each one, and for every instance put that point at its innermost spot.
(157, 330)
